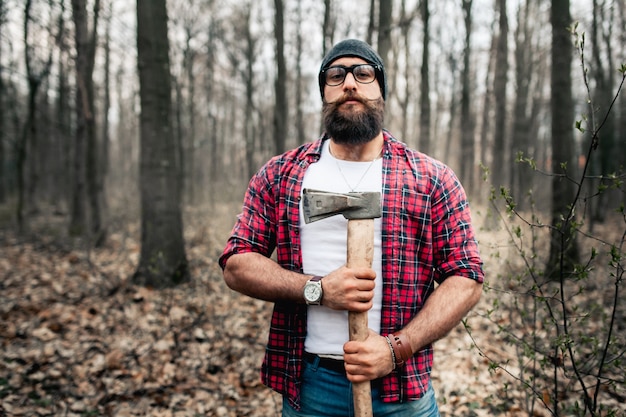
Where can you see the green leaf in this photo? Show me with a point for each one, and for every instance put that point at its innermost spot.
(579, 126)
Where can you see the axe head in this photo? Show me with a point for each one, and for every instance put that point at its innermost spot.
(319, 205)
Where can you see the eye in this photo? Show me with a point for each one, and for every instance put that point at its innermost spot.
(364, 72)
(335, 74)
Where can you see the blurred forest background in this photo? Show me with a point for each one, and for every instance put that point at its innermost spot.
(129, 130)
(469, 84)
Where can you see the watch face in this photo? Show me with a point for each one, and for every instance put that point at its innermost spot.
(312, 292)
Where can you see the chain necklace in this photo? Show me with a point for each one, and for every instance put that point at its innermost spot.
(350, 187)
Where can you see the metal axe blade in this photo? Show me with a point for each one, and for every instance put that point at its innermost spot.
(319, 205)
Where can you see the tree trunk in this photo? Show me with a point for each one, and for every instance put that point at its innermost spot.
(328, 27)
(62, 135)
(622, 104)
(453, 107)
(27, 141)
(250, 131)
(187, 132)
(499, 89)
(563, 247)
(424, 139)
(212, 118)
(163, 261)
(384, 31)
(602, 71)
(467, 125)
(328, 31)
(86, 157)
(103, 166)
(3, 94)
(371, 23)
(521, 178)
(301, 135)
(281, 110)
(404, 99)
(486, 133)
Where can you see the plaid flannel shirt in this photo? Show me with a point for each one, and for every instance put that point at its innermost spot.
(426, 237)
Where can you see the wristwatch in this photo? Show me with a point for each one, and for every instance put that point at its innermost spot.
(313, 291)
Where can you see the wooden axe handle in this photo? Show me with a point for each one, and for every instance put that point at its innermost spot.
(360, 254)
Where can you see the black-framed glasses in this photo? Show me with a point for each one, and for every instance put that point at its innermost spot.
(363, 73)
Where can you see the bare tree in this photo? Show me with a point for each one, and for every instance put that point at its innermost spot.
(86, 145)
(103, 151)
(424, 139)
(467, 121)
(384, 29)
(62, 136)
(281, 110)
(328, 27)
(451, 60)
(189, 20)
(522, 137)
(405, 97)
(622, 102)
(36, 72)
(163, 261)
(215, 159)
(499, 89)
(242, 54)
(3, 184)
(371, 25)
(603, 73)
(486, 131)
(247, 74)
(563, 246)
(300, 132)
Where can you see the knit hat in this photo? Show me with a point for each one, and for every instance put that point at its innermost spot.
(359, 49)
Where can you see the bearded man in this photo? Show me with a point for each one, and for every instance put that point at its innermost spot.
(426, 272)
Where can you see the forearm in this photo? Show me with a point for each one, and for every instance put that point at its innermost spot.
(443, 310)
(259, 277)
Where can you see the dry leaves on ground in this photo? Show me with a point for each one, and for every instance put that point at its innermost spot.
(77, 339)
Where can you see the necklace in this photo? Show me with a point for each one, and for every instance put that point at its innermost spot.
(350, 187)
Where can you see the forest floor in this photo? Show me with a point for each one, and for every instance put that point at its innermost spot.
(78, 339)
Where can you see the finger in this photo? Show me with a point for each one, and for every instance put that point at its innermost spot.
(360, 306)
(365, 285)
(365, 273)
(366, 296)
(356, 378)
(360, 373)
(351, 349)
(357, 352)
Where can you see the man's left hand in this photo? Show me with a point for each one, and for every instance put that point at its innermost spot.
(368, 359)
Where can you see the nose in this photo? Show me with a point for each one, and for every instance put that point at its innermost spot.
(349, 83)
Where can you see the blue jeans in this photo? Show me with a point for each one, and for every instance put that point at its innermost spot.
(326, 393)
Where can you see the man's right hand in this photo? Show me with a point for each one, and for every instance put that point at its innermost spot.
(350, 289)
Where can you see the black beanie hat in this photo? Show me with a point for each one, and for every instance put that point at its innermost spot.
(359, 49)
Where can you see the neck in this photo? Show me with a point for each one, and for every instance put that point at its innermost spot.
(363, 152)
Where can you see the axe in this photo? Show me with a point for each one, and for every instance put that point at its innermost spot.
(360, 209)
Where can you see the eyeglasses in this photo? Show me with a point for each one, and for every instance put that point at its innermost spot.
(363, 73)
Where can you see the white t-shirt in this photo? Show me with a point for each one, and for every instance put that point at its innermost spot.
(324, 247)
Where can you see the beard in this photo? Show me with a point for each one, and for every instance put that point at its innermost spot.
(353, 125)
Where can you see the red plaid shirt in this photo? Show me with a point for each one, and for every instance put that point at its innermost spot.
(426, 237)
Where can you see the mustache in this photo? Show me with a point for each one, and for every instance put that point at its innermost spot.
(350, 96)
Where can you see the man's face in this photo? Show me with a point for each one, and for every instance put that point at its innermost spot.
(353, 112)
(370, 91)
